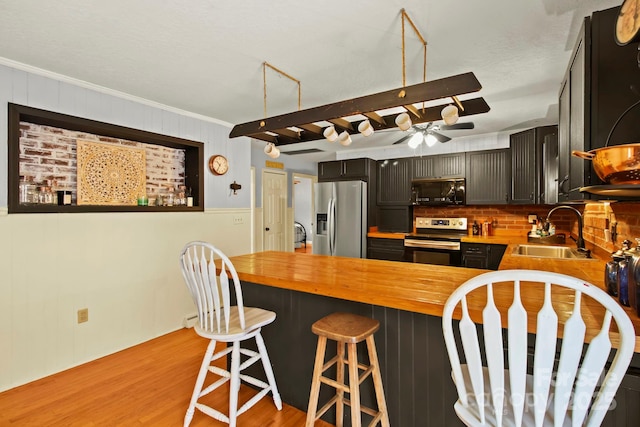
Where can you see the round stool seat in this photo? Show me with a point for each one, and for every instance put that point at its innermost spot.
(345, 327)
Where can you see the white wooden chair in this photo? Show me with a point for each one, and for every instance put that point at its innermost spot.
(218, 321)
(496, 395)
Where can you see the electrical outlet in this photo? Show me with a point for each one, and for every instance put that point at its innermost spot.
(237, 220)
(83, 315)
(532, 218)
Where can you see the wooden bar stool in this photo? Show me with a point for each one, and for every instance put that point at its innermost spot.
(349, 329)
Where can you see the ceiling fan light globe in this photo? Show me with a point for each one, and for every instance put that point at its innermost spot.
(330, 134)
(430, 140)
(403, 121)
(344, 138)
(450, 114)
(415, 140)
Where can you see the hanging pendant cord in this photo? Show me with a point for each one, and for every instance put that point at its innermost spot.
(264, 84)
(424, 44)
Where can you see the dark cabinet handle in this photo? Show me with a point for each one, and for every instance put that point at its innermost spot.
(531, 196)
(266, 229)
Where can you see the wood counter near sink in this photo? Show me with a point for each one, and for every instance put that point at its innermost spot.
(408, 300)
(418, 288)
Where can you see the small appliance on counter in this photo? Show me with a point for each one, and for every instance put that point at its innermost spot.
(622, 275)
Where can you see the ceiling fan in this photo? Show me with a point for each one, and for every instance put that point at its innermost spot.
(430, 133)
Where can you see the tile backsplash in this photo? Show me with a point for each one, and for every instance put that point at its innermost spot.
(513, 219)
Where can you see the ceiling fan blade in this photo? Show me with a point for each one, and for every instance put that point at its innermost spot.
(466, 125)
(404, 138)
(440, 137)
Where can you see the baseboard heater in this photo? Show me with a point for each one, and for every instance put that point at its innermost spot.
(190, 320)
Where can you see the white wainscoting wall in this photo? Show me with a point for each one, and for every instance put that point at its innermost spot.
(123, 267)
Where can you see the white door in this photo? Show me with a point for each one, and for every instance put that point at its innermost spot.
(274, 209)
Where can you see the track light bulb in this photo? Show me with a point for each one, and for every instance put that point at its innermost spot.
(403, 121)
(330, 134)
(344, 138)
(365, 128)
(450, 114)
(271, 150)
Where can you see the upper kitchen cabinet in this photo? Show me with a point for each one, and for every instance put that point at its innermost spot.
(344, 170)
(601, 82)
(527, 185)
(394, 181)
(441, 166)
(362, 169)
(488, 177)
(574, 118)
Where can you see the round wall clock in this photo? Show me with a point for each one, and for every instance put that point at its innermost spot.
(628, 23)
(218, 164)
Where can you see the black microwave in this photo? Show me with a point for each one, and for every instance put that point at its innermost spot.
(446, 191)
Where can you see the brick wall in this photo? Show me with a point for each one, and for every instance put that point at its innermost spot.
(507, 219)
(49, 154)
(512, 220)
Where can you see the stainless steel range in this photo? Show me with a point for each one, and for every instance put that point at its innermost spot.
(436, 241)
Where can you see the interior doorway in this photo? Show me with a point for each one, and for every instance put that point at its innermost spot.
(274, 209)
(303, 211)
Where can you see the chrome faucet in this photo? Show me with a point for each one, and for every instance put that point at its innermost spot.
(580, 241)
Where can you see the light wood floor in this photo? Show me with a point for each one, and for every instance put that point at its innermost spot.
(147, 385)
(303, 249)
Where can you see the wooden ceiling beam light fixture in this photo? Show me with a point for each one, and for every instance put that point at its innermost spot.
(277, 130)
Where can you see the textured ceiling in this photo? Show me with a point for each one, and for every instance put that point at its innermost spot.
(205, 56)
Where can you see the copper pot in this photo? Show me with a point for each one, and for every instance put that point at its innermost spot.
(619, 164)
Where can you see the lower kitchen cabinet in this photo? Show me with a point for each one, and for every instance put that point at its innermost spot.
(386, 249)
(482, 255)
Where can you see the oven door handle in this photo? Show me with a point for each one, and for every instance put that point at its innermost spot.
(431, 244)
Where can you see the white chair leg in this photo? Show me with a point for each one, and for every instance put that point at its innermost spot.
(234, 384)
(266, 363)
(202, 375)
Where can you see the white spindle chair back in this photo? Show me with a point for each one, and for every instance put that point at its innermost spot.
(209, 286)
(569, 389)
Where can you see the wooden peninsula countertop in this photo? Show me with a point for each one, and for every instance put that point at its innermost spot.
(420, 288)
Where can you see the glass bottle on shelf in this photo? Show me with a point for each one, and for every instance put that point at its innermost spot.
(182, 195)
(170, 198)
(153, 197)
(189, 197)
(160, 201)
(27, 189)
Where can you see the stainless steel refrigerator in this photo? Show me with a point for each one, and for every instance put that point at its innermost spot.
(340, 219)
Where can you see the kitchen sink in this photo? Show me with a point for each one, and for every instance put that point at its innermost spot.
(547, 251)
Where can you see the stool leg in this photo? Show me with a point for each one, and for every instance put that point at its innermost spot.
(377, 380)
(354, 385)
(197, 388)
(315, 381)
(266, 364)
(340, 379)
(234, 384)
